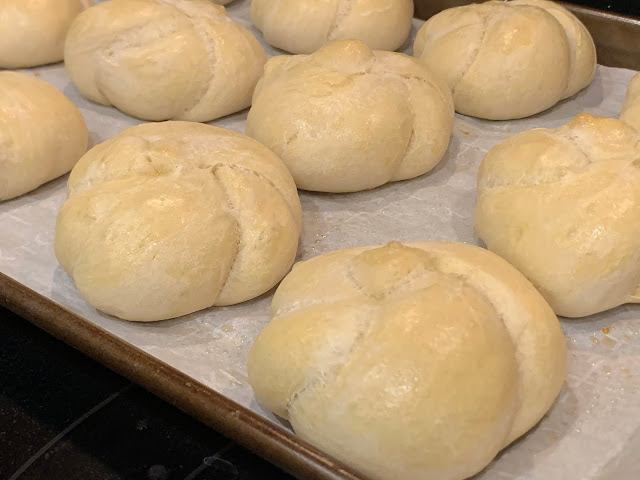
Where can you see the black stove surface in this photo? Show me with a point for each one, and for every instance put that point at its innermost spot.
(64, 416)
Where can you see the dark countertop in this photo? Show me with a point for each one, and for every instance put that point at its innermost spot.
(64, 416)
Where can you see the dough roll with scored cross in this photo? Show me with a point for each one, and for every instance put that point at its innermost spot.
(32, 32)
(507, 60)
(164, 59)
(169, 218)
(42, 134)
(563, 206)
(347, 118)
(304, 26)
(631, 108)
(409, 361)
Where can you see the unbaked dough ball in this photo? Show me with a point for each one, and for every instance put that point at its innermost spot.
(347, 118)
(32, 32)
(169, 218)
(164, 59)
(563, 207)
(42, 134)
(631, 109)
(303, 26)
(506, 60)
(417, 361)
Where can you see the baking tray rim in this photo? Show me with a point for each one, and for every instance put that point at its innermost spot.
(270, 441)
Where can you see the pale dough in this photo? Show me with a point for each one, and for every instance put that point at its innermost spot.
(563, 206)
(417, 361)
(347, 118)
(170, 218)
(42, 134)
(507, 60)
(164, 59)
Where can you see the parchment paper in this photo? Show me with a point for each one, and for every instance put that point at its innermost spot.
(592, 432)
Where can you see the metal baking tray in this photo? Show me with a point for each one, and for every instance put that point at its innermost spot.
(617, 37)
(437, 206)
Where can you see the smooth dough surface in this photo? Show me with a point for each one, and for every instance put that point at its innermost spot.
(303, 26)
(414, 361)
(42, 134)
(507, 60)
(164, 59)
(169, 218)
(32, 32)
(563, 207)
(631, 108)
(347, 118)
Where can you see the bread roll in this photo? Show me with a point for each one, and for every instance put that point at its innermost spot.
(563, 207)
(631, 108)
(347, 118)
(166, 219)
(164, 59)
(303, 26)
(42, 134)
(33, 31)
(506, 60)
(417, 361)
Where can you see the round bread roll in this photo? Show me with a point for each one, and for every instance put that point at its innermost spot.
(347, 118)
(42, 134)
(164, 59)
(417, 361)
(303, 26)
(166, 219)
(563, 207)
(33, 31)
(506, 60)
(631, 108)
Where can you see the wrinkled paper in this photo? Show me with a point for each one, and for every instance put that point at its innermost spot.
(593, 430)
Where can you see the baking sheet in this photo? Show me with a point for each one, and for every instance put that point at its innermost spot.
(592, 432)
